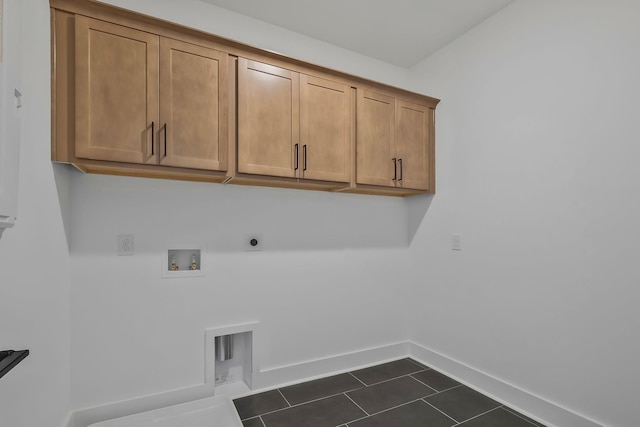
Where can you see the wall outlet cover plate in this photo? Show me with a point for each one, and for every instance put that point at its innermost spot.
(125, 244)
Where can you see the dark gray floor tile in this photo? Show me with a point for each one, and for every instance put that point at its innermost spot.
(462, 403)
(435, 380)
(497, 418)
(418, 363)
(416, 414)
(252, 422)
(317, 389)
(388, 394)
(513, 411)
(328, 412)
(386, 371)
(258, 404)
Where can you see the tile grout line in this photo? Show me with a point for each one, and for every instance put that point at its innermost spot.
(285, 399)
(361, 382)
(354, 402)
(442, 412)
(474, 417)
(394, 378)
(338, 394)
(272, 412)
(451, 388)
(517, 414)
(344, 392)
(301, 404)
(423, 399)
(459, 422)
(250, 418)
(420, 369)
(385, 410)
(442, 391)
(425, 367)
(426, 385)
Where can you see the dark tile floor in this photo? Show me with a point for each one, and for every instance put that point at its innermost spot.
(402, 393)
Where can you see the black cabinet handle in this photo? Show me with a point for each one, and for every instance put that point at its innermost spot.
(153, 140)
(304, 157)
(295, 157)
(395, 169)
(400, 163)
(165, 140)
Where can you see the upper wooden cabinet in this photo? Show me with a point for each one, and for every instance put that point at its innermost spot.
(292, 125)
(125, 97)
(394, 143)
(375, 142)
(141, 98)
(413, 145)
(116, 92)
(193, 106)
(134, 95)
(268, 119)
(326, 120)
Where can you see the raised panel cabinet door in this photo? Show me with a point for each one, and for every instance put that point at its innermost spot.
(375, 139)
(325, 129)
(116, 92)
(268, 119)
(412, 145)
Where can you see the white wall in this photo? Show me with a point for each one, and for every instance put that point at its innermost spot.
(326, 282)
(537, 156)
(536, 171)
(34, 261)
(329, 281)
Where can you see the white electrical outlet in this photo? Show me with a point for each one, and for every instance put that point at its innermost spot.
(125, 244)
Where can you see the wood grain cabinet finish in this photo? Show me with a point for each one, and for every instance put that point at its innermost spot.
(394, 142)
(193, 106)
(375, 140)
(292, 125)
(325, 129)
(142, 98)
(268, 124)
(135, 95)
(412, 145)
(116, 92)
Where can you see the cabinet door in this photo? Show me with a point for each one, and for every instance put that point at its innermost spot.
(412, 145)
(116, 92)
(325, 129)
(193, 106)
(375, 139)
(268, 119)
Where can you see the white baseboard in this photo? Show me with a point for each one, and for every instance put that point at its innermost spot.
(289, 374)
(535, 407)
(269, 378)
(527, 403)
(86, 417)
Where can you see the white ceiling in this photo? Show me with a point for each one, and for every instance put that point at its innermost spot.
(401, 32)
